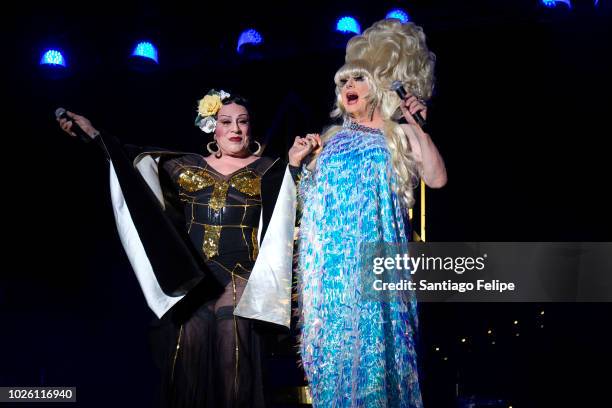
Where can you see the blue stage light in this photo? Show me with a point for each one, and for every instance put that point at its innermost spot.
(553, 3)
(145, 49)
(348, 25)
(53, 57)
(249, 36)
(399, 14)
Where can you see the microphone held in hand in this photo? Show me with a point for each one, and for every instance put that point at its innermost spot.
(60, 113)
(401, 92)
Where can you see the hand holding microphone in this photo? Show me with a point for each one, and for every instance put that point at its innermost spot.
(75, 125)
(414, 109)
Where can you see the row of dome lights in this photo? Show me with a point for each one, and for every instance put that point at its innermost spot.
(345, 24)
(146, 49)
(349, 24)
(143, 49)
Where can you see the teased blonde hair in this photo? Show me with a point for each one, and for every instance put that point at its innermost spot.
(386, 52)
(396, 51)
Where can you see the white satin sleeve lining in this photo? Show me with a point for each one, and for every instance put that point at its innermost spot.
(157, 300)
(267, 295)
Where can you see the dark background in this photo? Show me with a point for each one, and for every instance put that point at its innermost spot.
(520, 114)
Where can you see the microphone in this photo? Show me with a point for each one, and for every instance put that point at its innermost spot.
(60, 113)
(401, 92)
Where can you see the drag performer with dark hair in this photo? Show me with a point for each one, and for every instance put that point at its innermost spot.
(192, 227)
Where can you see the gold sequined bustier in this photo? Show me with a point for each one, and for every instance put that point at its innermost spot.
(222, 212)
(219, 205)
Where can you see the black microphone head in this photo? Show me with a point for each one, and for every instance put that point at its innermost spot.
(60, 112)
(398, 87)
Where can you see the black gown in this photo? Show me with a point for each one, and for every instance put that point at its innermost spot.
(218, 361)
(202, 244)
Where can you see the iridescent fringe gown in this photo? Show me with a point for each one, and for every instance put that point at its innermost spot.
(356, 352)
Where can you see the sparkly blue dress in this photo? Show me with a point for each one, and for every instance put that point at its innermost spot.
(356, 351)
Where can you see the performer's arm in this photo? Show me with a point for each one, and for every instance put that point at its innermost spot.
(102, 141)
(433, 170)
(81, 121)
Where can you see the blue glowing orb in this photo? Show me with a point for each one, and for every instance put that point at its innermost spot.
(53, 57)
(146, 50)
(249, 36)
(348, 25)
(399, 14)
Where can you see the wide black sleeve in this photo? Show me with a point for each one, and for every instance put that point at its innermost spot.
(176, 266)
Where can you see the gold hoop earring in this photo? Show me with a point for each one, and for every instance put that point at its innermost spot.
(259, 149)
(216, 153)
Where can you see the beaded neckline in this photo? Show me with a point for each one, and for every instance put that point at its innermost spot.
(362, 128)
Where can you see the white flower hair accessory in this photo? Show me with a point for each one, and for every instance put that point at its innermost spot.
(208, 107)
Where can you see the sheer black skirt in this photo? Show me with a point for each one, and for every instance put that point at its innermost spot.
(208, 357)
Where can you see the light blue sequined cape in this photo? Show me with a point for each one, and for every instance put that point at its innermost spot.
(356, 352)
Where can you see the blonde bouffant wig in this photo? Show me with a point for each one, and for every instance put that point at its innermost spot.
(386, 52)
